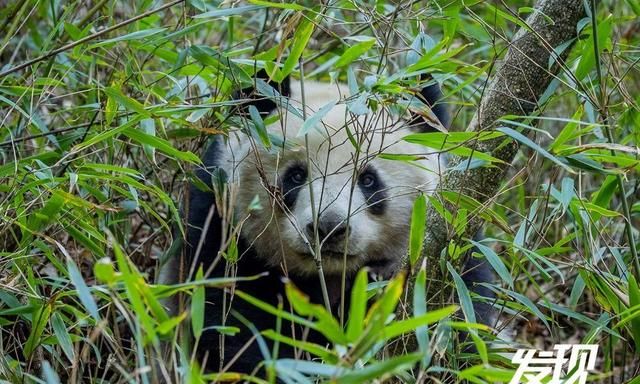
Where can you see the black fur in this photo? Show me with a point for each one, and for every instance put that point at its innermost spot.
(263, 104)
(375, 194)
(267, 288)
(431, 96)
(290, 185)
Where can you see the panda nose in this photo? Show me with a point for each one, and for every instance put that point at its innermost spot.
(329, 230)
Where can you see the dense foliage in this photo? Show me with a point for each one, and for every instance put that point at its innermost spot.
(106, 105)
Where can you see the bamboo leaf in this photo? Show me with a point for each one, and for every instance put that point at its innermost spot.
(526, 141)
(197, 307)
(354, 52)
(40, 318)
(416, 231)
(62, 336)
(315, 119)
(126, 101)
(358, 306)
(300, 40)
(463, 295)
(495, 261)
(82, 290)
(223, 12)
(634, 300)
(137, 35)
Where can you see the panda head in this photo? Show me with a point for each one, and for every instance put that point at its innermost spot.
(329, 187)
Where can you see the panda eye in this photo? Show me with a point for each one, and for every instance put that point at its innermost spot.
(298, 176)
(368, 180)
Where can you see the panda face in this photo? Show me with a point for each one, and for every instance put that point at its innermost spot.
(322, 189)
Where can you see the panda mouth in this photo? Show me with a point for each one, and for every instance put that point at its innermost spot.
(331, 255)
(334, 255)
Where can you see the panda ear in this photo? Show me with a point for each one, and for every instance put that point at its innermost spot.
(263, 104)
(431, 95)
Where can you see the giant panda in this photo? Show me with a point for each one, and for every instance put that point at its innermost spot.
(328, 185)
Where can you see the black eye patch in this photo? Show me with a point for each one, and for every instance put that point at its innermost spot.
(374, 190)
(292, 180)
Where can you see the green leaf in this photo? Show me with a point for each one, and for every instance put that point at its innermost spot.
(602, 197)
(635, 6)
(463, 295)
(40, 318)
(50, 376)
(420, 309)
(481, 346)
(596, 210)
(104, 271)
(451, 142)
(580, 317)
(148, 126)
(576, 292)
(380, 369)
(126, 101)
(222, 12)
(224, 330)
(358, 306)
(418, 226)
(294, 366)
(352, 82)
(314, 120)
(206, 56)
(197, 306)
(569, 131)
(170, 324)
(358, 106)
(401, 327)
(261, 130)
(163, 291)
(48, 213)
(325, 354)
(137, 35)
(82, 290)
(62, 336)
(268, 308)
(634, 300)
(526, 141)
(16, 107)
(385, 305)
(93, 140)
(583, 162)
(588, 57)
(132, 283)
(283, 5)
(326, 323)
(495, 261)
(160, 144)
(85, 240)
(300, 40)
(354, 52)
(400, 157)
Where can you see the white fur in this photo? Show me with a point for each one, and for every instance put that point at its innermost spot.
(277, 236)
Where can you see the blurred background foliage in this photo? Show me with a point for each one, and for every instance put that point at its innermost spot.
(106, 105)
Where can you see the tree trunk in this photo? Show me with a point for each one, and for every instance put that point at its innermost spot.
(514, 89)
